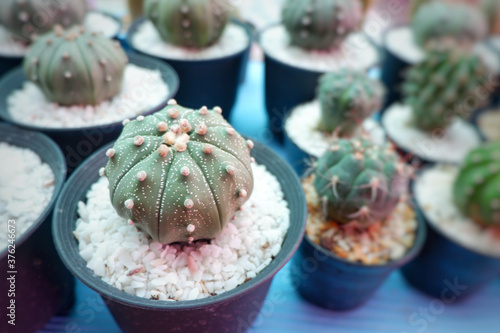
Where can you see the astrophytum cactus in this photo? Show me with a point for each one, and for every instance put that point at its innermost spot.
(347, 98)
(180, 174)
(359, 181)
(189, 23)
(321, 24)
(26, 19)
(476, 191)
(76, 67)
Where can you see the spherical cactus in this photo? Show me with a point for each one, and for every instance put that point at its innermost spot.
(476, 191)
(179, 174)
(189, 23)
(323, 24)
(444, 86)
(29, 18)
(347, 98)
(76, 67)
(359, 181)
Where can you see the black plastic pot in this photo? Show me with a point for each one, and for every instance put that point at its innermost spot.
(232, 312)
(43, 286)
(495, 96)
(338, 284)
(210, 82)
(78, 143)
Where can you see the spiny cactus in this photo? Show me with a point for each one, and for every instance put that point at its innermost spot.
(360, 181)
(189, 23)
(76, 67)
(347, 98)
(179, 174)
(27, 19)
(315, 24)
(444, 86)
(476, 191)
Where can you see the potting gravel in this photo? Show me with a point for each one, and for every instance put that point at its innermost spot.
(489, 123)
(400, 42)
(434, 194)
(127, 259)
(356, 52)
(26, 188)
(9, 47)
(302, 128)
(142, 90)
(147, 39)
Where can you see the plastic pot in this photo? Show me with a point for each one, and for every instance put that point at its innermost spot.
(42, 284)
(210, 82)
(78, 143)
(233, 311)
(297, 158)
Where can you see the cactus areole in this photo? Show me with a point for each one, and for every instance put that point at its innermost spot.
(179, 174)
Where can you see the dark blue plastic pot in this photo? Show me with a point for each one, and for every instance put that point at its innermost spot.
(297, 158)
(43, 286)
(495, 48)
(210, 82)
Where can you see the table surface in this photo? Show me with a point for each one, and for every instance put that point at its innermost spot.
(395, 307)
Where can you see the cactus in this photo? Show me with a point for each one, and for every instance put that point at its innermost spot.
(476, 191)
(179, 174)
(347, 97)
(189, 23)
(314, 24)
(491, 9)
(444, 86)
(359, 181)
(76, 67)
(26, 19)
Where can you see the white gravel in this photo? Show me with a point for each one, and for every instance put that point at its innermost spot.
(452, 147)
(9, 47)
(142, 90)
(400, 42)
(127, 259)
(356, 52)
(147, 39)
(26, 188)
(434, 193)
(489, 124)
(302, 128)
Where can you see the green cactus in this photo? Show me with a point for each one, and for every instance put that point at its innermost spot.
(321, 24)
(189, 23)
(347, 98)
(179, 174)
(476, 191)
(26, 19)
(358, 180)
(444, 86)
(76, 67)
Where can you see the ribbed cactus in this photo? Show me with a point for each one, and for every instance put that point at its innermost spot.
(29, 18)
(360, 181)
(347, 98)
(476, 191)
(321, 24)
(76, 67)
(443, 86)
(189, 23)
(179, 174)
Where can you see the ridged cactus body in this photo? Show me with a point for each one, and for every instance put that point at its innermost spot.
(360, 181)
(347, 98)
(189, 23)
(29, 18)
(321, 24)
(76, 67)
(180, 174)
(476, 190)
(444, 86)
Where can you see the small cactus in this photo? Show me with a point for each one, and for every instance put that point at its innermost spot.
(76, 67)
(323, 24)
(179, 174)
(359, 181)
(347, 98)
(476, 191)
(189, 23)
(26, 19)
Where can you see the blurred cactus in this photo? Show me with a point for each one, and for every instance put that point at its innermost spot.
(76, 67)
(324, 24)
(135, 8)
(491, 8)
